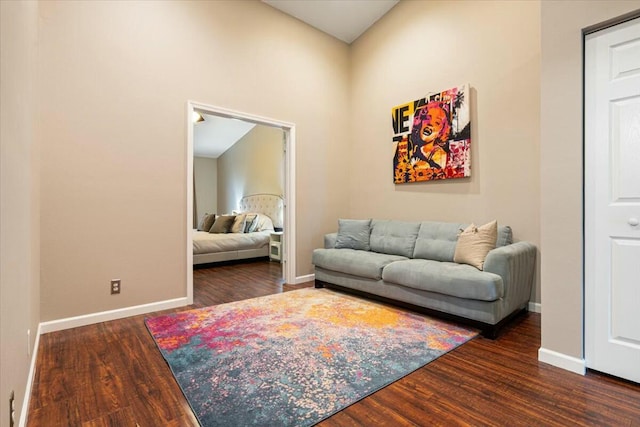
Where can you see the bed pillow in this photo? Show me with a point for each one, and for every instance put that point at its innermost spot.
(206, 222)
(264, 223)
(354, 234)
(223, 224)
(250, 223)
(238, 224)
(474, 243)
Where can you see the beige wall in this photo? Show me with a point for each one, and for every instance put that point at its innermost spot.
(112, 191)
(114, 81)
(19, 204)
(205, 170)
(429, 46)
(254, 164)
(561, 183)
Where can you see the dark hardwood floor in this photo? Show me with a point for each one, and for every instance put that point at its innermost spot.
(111, 374)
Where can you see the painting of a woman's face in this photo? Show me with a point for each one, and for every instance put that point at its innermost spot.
(432, 137)
(431, 124)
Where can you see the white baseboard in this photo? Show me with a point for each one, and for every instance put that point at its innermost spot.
(105, 316)
(563, 361)
(22, 422)
(535, 307)
(305, 279)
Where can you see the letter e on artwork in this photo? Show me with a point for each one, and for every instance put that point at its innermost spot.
(401, 116)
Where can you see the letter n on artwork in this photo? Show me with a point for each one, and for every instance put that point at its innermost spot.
(432, 137)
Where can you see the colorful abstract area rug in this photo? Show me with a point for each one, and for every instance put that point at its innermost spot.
(296, 358)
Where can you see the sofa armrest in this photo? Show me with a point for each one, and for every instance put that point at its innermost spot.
(330, 240)
(515, 263)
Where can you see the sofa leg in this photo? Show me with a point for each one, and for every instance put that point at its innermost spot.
(319, 284)
(490, 332)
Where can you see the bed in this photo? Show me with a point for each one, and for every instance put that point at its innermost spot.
(217, 247)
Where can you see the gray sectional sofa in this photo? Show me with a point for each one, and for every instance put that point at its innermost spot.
(411, 264)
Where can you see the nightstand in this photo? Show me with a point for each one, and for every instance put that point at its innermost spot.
(275, 246)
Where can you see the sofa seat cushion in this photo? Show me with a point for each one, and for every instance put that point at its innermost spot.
(449, 278)
(354, 262)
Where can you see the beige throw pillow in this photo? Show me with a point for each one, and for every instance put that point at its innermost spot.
(474, 243)
(238, 224)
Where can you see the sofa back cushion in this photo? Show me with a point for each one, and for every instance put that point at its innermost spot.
(353, 234)
(505, 236)
(437, 240)
(394, 237)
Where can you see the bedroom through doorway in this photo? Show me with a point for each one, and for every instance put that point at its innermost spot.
(239, 182)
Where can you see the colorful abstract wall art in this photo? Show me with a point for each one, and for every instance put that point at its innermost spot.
(432, 137)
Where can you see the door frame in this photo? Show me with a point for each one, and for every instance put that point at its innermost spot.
(289, 131)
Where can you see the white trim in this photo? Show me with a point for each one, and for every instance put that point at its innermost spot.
(289, 252)
(590, 243)
(304, 279)
(563, 361)
(535, 307)
(289, 129)
(105, 316)
(189, 204)
(22, 422)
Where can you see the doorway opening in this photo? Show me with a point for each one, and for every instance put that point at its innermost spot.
(287, 249)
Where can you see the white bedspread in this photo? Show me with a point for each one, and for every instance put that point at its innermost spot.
(206, 243)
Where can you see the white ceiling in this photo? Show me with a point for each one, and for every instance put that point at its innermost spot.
(215, 135)
(344, 19)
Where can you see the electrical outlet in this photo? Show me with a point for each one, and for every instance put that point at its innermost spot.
(12, 409)
(115, 286)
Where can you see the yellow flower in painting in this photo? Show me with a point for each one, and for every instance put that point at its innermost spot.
(422, 171)
(435, 173)
(402, 170)
(419, 164)
(422, 174)
(418, 170)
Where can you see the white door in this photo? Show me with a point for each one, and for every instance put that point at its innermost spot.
(612, 200)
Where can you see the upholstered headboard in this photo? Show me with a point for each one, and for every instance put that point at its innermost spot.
(268, 204)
